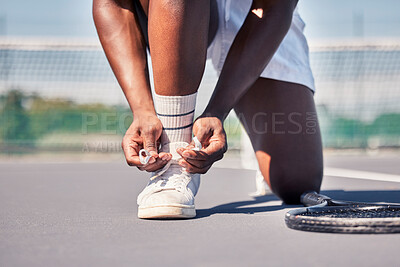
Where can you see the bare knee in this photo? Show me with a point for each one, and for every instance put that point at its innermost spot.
(174, 7)
(289, 183)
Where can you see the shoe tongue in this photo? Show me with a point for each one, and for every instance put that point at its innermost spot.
(172, 147)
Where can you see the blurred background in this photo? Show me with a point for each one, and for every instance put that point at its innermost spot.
(60, 101)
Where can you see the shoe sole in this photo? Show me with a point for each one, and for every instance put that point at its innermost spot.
(167, 212)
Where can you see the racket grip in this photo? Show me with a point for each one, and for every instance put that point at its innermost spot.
(312, 199)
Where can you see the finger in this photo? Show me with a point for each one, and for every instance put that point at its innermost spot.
(199, 159)
(204, 161)
(158, 164)
(133, 161)
(215, 149)
(165, 156)
(203, 136)
(189, 153)
(190, 146)
(180, 150)
(193, 169)
(131, 153)
(207, 157)
(155, 164)
(195, 163)
(150, 143)
(213, 152)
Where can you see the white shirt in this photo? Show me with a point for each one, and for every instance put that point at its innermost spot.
(290, 62)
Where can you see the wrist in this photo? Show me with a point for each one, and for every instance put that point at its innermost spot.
(219, 113)
(144, 112)
(142, 106)
(219, 106)
(140, 101)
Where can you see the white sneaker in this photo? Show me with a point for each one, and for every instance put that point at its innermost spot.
(261, 186)
(170, 191)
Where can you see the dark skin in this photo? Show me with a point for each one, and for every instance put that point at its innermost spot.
(280, 119)
(123, 42)
(176, 55)
(241, 69)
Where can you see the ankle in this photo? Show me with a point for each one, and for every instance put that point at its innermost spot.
(176, 113)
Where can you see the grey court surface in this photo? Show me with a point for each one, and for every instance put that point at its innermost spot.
(84, 214)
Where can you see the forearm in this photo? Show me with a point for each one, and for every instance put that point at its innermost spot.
(125, 48)
(253, 48)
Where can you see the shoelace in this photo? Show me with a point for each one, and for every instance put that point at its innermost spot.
(162, 171)
(144, 155)
(177, 181)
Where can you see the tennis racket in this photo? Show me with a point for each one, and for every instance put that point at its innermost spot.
(323, 214)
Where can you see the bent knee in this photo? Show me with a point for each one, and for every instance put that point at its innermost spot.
(174, 7)
(289, 184)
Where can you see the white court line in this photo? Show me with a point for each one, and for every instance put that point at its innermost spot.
(376, 176)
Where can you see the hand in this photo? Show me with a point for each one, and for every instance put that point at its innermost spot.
(144, 132)
(211, 134)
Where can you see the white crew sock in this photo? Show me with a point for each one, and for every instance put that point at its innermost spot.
(176, 114)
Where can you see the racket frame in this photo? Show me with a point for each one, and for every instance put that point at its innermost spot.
(296, 219)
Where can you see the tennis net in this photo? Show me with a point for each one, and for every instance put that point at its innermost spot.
(60, 93)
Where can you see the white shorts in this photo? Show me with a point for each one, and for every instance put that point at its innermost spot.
(290, 62)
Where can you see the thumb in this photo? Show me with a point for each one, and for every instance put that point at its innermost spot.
(202, 137)
(149, 143)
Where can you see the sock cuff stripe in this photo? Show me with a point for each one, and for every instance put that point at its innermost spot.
(178, 128)
(175, 115)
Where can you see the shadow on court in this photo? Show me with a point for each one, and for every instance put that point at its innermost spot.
(241, 207)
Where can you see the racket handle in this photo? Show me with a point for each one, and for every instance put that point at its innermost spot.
(313, 198)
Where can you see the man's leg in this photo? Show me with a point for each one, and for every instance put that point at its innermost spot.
(282, 124)
(178, 36)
